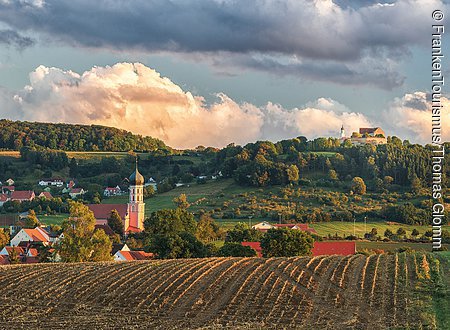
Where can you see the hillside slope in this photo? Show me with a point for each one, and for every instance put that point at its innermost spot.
(353, 292)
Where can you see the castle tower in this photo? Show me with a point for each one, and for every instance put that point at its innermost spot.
(136, 205)
(342, 135)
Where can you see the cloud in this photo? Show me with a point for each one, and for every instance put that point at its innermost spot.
(410, 117)
(12, 38)
(344, 41)
(136, 98)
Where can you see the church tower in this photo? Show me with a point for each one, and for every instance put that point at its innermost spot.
(136, 205)
(342, 136)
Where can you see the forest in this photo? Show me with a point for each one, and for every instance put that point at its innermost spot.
(68, 137)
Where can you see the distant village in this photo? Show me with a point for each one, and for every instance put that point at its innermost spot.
(25, 242)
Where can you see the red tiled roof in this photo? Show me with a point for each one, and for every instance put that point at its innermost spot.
(10, 188)
(103, 211)
(33, 252)
(4, 260)
(22, 195)
(255, 246)
(36, 235)
(46, 194)
(133, 229)
(18, 249)
(3, 198)
(136, 255)
(107, 229)
(112, 188)
(334, 247)
(75, 190)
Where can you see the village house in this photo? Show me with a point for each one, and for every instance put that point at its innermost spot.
(112, 191)
(3, 199)
(7, 190)
(125, 254)
(36, 235)
(152, 182)
(76, 192)
(58, 182)
(10, 182)
(45, 195)
(25, 255)
(22, 195)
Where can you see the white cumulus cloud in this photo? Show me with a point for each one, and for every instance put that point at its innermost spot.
(134, 97)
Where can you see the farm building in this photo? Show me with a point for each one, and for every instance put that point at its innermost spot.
(255, 246)
(319, 248)
(334, 247)
(264, 226)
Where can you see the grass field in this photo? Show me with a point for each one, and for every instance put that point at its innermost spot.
(344, 229)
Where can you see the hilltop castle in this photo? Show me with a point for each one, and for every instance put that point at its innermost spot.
(366, 135)
(133, 213)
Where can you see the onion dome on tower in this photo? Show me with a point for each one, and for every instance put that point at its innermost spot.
(136, 179)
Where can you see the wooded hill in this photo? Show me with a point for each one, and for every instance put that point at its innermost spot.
(68, 137)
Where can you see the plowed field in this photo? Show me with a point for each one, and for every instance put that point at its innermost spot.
(328, 292)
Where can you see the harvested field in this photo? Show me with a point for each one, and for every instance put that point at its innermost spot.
(326, 292)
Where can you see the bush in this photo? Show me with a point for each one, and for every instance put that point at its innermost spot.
(236, 250)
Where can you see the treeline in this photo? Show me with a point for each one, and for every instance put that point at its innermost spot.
(17, 134)
(266, 163)
(47, 158)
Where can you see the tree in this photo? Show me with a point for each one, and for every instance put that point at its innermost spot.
(183, 245)
(416, 185)
(207, 229)
(101, 246)
(171, 234)
(31, 220)
(168, 222)
(401, 231)
(332, 175)
(242, 233)
(13, 256)
(181, 201)
(358, 186)
(415, 233)
(80, 243)
(286, 242)
(149, 191)
(4, 238)
(236, 250)
(116, 223)
(292, 173)
(388, 233)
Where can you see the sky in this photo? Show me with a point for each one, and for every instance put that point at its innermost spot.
(214, 72)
